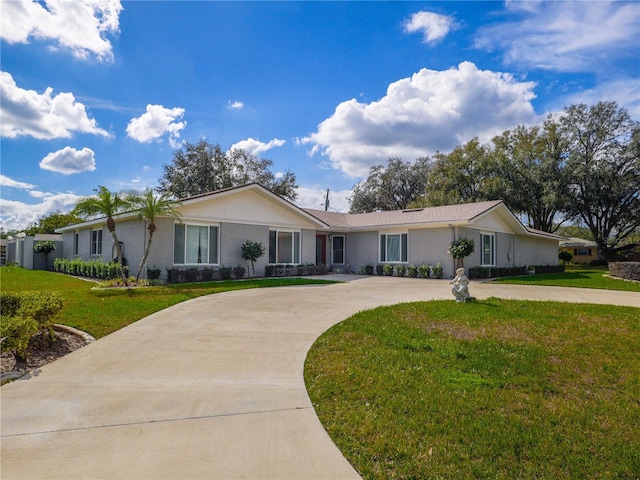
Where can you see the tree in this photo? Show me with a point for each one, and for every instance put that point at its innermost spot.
(202, 168)
(604, 161)
(466, 174)
(152, 207)
(532, 173)
(53, 221)
(460, 249)
(46, 247)
(393, 187)
(251, 252)
(105, 203)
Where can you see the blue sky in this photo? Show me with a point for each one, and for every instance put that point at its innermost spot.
(102, 92)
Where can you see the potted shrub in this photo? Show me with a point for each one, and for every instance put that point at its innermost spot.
(424, 271)
(400, 270)
(387, 269)
(437, 271)
(531, 270)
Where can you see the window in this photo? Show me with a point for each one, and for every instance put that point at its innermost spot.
(284, 247)
(96, 242)
(582, 251)
(76, 243)
(488, 245)
(337, 249)
(195, 244)
(393, 247)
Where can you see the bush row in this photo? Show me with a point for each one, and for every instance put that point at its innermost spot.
(206, 274)
(90, 268)
(626, 270)
(24, 314)
(413, 271)
(494, 272)
(284, 270)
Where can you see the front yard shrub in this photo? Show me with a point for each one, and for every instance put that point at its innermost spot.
(379, 269)
(437, 271)
(626, 270)
(269, 270)
(401, 270)
(153, 273)
(40, 307)
(16, 332)
(424, 271)
(207, 274)
(387, 269)
(368, 269)
(412, 271)
(238, 272)
(225, 273)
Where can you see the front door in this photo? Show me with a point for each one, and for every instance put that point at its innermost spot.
(321, 249)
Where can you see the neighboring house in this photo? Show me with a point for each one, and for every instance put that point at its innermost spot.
(20, 251)
(583, 251)
(215, 225)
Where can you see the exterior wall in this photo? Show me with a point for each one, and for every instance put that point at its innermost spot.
(308, 247)
(233, 235)
(582, 258)
(161, 254)
(361, 248)
(536, 251)
(429, 246)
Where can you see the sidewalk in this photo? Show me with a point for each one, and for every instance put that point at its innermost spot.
(211, 388)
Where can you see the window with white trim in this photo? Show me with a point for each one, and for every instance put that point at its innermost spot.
(393, 247)
(488, 249)
(284, 246)
(96, 242)
(337, 249)
(195, 244)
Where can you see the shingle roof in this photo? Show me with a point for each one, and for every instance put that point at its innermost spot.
(445, 214)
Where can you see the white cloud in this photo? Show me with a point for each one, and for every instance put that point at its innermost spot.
(256, 147)
(155, 123)
(433, 26)
(69, 161)
(565, 36)
(78, 25)
(19, 215)
(432, 110)
(235, 105)
(314, 197)
(28, 113)
(626, 92)
(9, 182)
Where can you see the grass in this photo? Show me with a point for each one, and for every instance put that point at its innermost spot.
(100, 312)
(576, 277)
(490, 389)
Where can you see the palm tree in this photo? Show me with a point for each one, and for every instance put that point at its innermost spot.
(152, 207)
(108, 204)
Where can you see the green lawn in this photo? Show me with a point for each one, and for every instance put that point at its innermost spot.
(587, 278)
(100, 312)
(490, 389)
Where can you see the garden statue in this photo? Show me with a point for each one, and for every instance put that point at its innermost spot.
(460, 288)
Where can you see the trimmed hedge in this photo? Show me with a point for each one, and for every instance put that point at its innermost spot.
(626, 270)
(91, 268)
(493, 272)
(23, 315)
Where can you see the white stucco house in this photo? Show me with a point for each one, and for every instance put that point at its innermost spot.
(215, 225)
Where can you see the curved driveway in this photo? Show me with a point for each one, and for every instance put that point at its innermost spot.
(210, 388)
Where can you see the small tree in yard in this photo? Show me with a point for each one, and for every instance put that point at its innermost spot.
(252, 251)
(46, 247)
(461, 248)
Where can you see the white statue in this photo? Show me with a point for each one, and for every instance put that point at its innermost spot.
(460, 288)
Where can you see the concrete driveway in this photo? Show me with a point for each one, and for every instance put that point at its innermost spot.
(211, 388)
